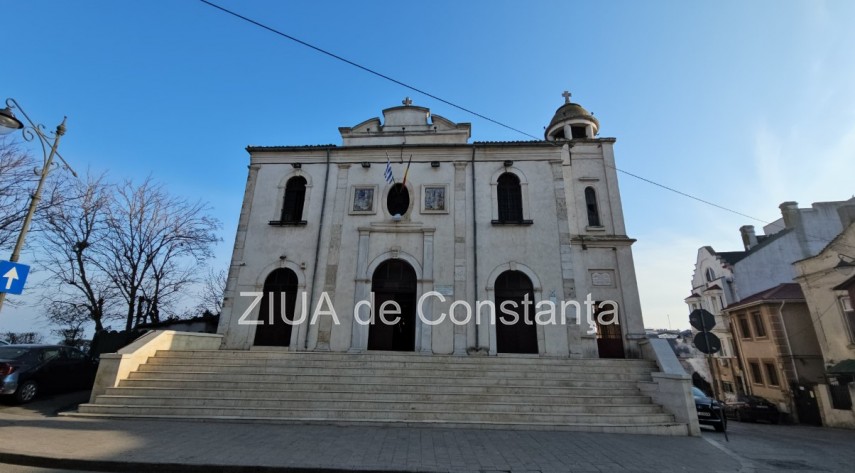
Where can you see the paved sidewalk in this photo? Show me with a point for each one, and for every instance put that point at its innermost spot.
(146, 445)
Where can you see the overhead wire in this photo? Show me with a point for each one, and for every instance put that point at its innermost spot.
(466, 109)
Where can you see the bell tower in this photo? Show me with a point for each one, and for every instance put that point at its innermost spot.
(571, 121)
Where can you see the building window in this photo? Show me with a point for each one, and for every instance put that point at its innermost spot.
(759, 327)
(710, 275)
(771, 374)
(593, 208)
(509, 195)
(848, 316)
(398, 200)
(295, 196)
(727, 387)
(756, 373)
(744, 328)
(839, 393)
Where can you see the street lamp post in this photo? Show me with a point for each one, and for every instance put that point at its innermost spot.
(10, 124)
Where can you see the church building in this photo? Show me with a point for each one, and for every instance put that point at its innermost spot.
(407, 209)
(411, 277)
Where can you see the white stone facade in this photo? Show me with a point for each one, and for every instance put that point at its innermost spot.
(458, 249)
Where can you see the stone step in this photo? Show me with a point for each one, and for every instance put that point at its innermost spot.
(212, 374)
(403, 405)
(337, 414)
(386, 357)
(431, 371)
(372, 387)
(293, 393)
(308, 363)
(666, 429)
(390, 388)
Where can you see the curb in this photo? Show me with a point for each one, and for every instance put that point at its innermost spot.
(122, 467)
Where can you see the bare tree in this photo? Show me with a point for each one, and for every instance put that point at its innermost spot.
(125, 252)
(16, 177)
(16, 338)
(156, 241)
(213, 291)
(70, 323)
(73, 241)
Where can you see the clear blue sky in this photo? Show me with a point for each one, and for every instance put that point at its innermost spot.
(747, 104)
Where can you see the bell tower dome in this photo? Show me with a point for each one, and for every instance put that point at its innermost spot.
(571, 121)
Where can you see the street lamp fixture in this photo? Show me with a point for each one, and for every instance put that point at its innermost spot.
(49, 142)
(8, 122)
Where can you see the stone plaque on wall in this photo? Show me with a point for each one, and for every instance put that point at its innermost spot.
(444, 289)
(602, 278)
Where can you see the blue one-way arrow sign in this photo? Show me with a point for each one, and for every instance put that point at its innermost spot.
(13, 276)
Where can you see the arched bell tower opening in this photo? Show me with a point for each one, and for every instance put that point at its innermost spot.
(394, 280)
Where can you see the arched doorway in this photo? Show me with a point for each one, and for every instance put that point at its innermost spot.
(277, 334)
(394, 280)
(517, 337)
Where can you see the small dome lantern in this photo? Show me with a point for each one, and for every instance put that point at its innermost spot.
(571, 121)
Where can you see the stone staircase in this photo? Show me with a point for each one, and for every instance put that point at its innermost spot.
(380, 388)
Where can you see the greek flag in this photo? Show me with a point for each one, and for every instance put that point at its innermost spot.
(388, 173)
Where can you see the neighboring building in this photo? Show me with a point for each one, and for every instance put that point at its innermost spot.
(828, 282)
(779, 349)
(487, 221)
(722, 279)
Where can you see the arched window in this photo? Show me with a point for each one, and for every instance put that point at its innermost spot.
(509, 195)
(591, 205)
(398, 200)
(710, 275)
(295, 196)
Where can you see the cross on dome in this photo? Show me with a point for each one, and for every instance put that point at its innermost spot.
(407, 101)
(566, 96)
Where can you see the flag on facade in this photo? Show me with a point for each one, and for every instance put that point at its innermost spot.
(407, 171)
(388, 173)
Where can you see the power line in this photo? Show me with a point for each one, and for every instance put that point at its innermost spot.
(364, 68)
(459, 107)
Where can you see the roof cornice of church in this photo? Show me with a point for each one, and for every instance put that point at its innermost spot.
(321, 147)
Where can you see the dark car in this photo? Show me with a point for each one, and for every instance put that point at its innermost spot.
(753, 408)
(27, 370)
(710, 411)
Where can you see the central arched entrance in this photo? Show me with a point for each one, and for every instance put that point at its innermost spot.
(394, 280)
(278, 333)
(517, 337)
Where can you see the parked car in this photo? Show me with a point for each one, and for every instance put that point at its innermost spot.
(710, 411)
(27, 370)
(753, 408)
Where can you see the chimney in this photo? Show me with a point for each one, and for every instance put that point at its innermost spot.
(791, 214)
(847, 214)
(749, 238)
